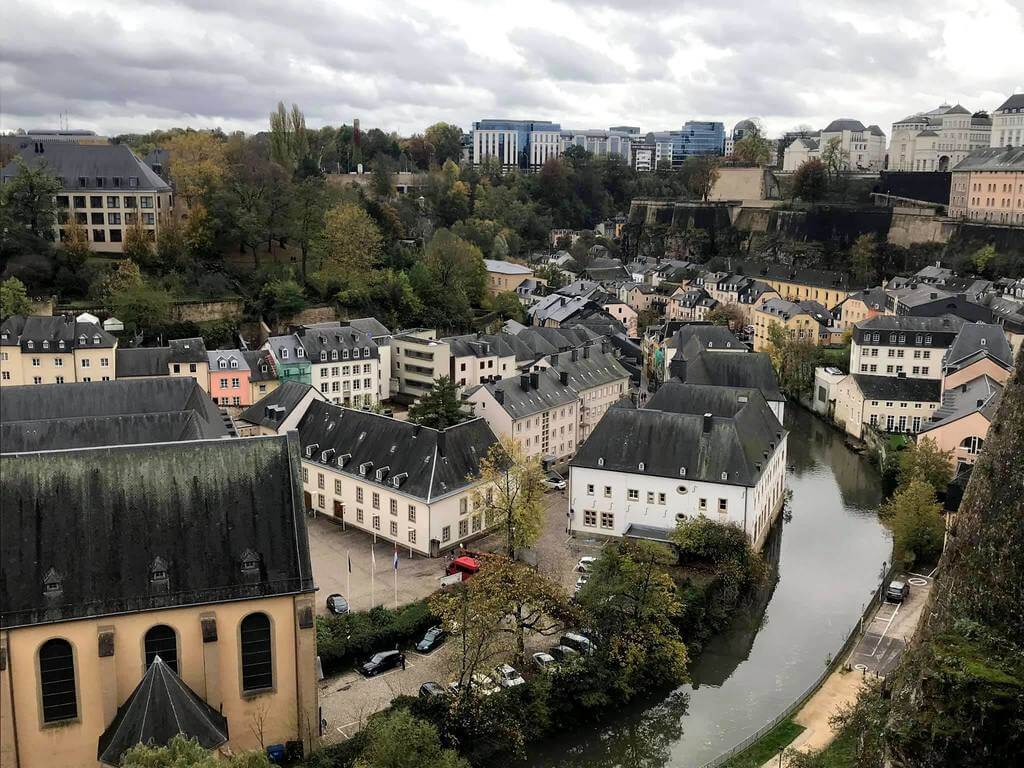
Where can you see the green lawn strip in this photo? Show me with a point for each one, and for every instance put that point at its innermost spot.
(767, 747)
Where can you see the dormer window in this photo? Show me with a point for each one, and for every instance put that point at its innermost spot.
(284, 353)
(365, 467)
(682, 471)
(46, 345)
(323, 356)
(983, 342)
(311, 449)
(234, 363)
(96, 338)
(600, 462)
(250, 562)
(300, 352)
(344, 354)
(725, 476)
(366, 351)
(222, 363)
(640, 466)
(158, 575)
(29, 345)
(60, 345)
(355, 353)
(53, 583)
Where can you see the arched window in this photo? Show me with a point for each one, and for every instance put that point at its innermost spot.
(57, 681)
(161, 641)
(257, 659)
(972, 445)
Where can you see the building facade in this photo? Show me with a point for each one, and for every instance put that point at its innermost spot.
(229, 377)
(988, 186)
(505, 275)
(902, 347)
(418, 359)
(860, 148)
(55, 350)
(515, 143)
(937, 140)
(1008, 123)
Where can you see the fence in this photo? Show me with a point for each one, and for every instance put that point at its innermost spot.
(841, 653)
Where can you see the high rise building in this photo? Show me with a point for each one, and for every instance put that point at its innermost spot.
(516, 143)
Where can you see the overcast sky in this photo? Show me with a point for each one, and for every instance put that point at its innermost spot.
(116, 66)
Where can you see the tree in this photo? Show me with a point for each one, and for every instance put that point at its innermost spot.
(137, 246)
(446, 141)
(508, 306)
(141, 305)
(383, 178)
(283, 298)
(399, 740)
(75, 243)
(306, 221)
(456, 267)
(125, 275)
(793, 359)
(862, 256)
(918, 528)
(172, 251)
(13, 298)
(196, 164)
(29, 196)
(924, 460)
(753, 148)
(439, 408)
(730, 315)
(390, 298)
(182, 752)
(702, 174)
(511, 494)
(289, 142)
(834, 158)
(982, 257)
(810, 182)
(350, 245)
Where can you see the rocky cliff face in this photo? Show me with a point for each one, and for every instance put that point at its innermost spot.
(958, 696)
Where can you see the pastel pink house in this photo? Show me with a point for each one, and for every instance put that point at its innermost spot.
(229, 377)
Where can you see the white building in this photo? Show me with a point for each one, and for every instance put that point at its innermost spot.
(694, 450)
(937, 140)
(1008, 122)
(862, 148)
(401, 482)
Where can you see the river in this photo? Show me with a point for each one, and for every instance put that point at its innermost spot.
(829, 558)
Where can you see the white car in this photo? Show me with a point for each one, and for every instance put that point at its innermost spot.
(585, 564)
(484, 685)
(545, 662)
(507, 676)
(554, 482)
(583, 579)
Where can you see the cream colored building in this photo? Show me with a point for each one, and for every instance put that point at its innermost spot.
(55, 350)
(859, 306)
(861, 148)
(804, 321)
(480, 358)
(886, 403)
(418, 359)
(937, 140)
(226, 604)
(1008, 123)
(598, 379)
(505, 276)
(105, 187)
(988, 186)
(398, 481)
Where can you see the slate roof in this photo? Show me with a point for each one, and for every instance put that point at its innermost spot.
(874, 130)
(728, 369)
(143, 361)
(710, 337)
(227, 360)
(940, 324)
(261, 365)
(557, 307)
(591, 368)
(425, 463)
(100, 518)
(71, 162)
(19, 330)
(92, 431)
(843, 124)
(104, 399)
(789, 309)
(286, 349)
(283, 400)
(192, 350)
(480, 345)
(520, 403)
(1015, 102)
(978, 395)
(506, 267)
(676, 445)
(334, 337)
(873, 298)
(998, 159)
(161, 707)
(816, 278)
(901, 389)
(678, 397)
(370, 325)
(977, 340)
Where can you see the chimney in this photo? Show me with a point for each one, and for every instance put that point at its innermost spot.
(415, 430)
(575, 355)
(605, 347)
(963, 387)
(535, 380)
(933, 295)
(586, 352)
(707, 423)
(499, 395)
(554, 359)
(524, 382)
(440, 442)
(563, 376)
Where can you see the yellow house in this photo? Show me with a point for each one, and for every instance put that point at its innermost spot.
(824, 286)
(505, 275)
(804, 320)
(195, 552)
(54, 350)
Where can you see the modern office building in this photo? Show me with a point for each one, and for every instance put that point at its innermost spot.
(516, 143)
(601, 143)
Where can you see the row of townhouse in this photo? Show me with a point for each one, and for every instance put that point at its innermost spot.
(804, 320)
(55, 350)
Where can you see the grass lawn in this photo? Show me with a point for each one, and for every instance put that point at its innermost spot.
(767, 747)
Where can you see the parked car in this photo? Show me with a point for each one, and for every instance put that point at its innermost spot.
(581, 581)
(564, 653)
(507, 676)
(465, 565)
(580, 643)
(554, 481)
(585, 564)
(545, 662)
(433, 638)
(431, 689)
(484, 685)
(337, 604)
(382, 662)
(897, 592)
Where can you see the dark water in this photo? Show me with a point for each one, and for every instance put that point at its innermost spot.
(829, 560)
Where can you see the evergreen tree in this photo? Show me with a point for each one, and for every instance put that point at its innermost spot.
(439, 408)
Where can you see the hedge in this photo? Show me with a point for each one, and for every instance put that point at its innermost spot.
(344, 641)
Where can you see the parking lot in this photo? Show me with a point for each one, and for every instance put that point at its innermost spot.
(890, 629)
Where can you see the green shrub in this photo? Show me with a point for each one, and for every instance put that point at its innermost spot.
(343, 641)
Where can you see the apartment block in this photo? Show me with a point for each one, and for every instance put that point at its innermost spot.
(55, 350)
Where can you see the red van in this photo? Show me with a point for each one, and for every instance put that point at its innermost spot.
(465, 565)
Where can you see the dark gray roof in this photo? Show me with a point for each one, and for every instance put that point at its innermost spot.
(873, 298)
(591, 368)
(732, 369)
(480, 345)
(709, 337)
(998, 159)
(100, 518)
(161, 707)
(677, 397)
(19, 330)
(731, 449)
(191, 350)
(816, 278)
(978, 395)
(844, 124)
(143, 361)
(1016, 102)
(520, 402)
(74, 163)
(370, 325)
(874, 130)
(282, 400)
(100, 399)
(959, 109)
(977, 340)
(261, 364)
(92, 431)
(940, 324)
(789, 309)
(902, 389)
(333, 337)
(425, 463)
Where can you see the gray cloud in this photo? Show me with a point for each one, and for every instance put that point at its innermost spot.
(585, 63)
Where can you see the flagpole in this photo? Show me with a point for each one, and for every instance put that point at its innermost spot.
(396, 575)
(348, 575)
(373, 568)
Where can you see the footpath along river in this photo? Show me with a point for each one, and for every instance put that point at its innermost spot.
(829, 558)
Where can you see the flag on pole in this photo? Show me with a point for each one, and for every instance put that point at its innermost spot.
(349, 562)
(373, 558)
(396, 559)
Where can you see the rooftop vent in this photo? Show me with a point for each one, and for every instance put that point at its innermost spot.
(707, 422)
(53, 584)
(159, 578)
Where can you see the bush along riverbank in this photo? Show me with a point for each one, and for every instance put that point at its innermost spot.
(641, 600)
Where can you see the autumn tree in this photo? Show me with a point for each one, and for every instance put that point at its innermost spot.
(508, 306)
(440, 407)
(289, 141)
(281, 298)
(196, 164)
(137, 246)
(14, 298)
(75, 242)
(810, 181)
(702, 173)
(793, 359)
(183, 752)
(124, 276)
(729, 315)
(982, 257)
(834, 157)
(349, 246)
(446, 141)
(753, 148)
(397, 739)
(924, 460)
(28, 197)
(863, 255)
(172, 252)
(918, 528)
(511, 494)
(307, 214)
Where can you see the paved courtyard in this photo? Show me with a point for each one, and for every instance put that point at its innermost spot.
(890, 629)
